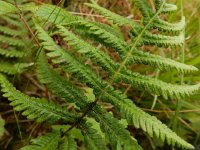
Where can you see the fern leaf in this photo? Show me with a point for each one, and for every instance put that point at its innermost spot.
(68, 143)
(162, 63)
(144, 8)
(92, 139)
(48, 141)
(169, 27)
(143, 120)
(62, 88)
(12, 21)
(10, 31)
(12, 41)
(147, 38)
(168, 8)
(34, 108)
(12, 69)
(158, 23)
(87, 49)
(114, 130)
(102, 33)
(6, 8)
(58, 16)
(11, 53)
(115, 18)
(162, 40)
(156, 86)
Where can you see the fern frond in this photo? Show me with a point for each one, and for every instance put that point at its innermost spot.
(34, 108)
(62, 88)
(114, 130)
(142, 120)
(147, 38)
(92, 139)
(169, 27)
(120, 101)
(87, 49)
(6, 8)
(161, 40)
(157, 61)
(12, 21)
(167, 8)
(11, 53)
(10, 31)
(106, 36)
(12, 69)
(157, 86)
(49, 141)
(115, 18)
(68, 143)
(12, 41)
(144, 8)
(57, 15)
(158, 23)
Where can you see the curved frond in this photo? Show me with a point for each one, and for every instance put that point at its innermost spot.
(34, 108)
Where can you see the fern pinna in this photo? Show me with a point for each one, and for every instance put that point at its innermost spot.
(70, 56)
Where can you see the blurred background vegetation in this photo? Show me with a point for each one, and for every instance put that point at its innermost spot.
(182, 116)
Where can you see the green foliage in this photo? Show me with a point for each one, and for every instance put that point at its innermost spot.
(68, 143)
(7, 8)
(78, 38)
(13, 40)
(70, 93)
(34, 108)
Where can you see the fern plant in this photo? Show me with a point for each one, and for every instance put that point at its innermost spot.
(79, 37)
